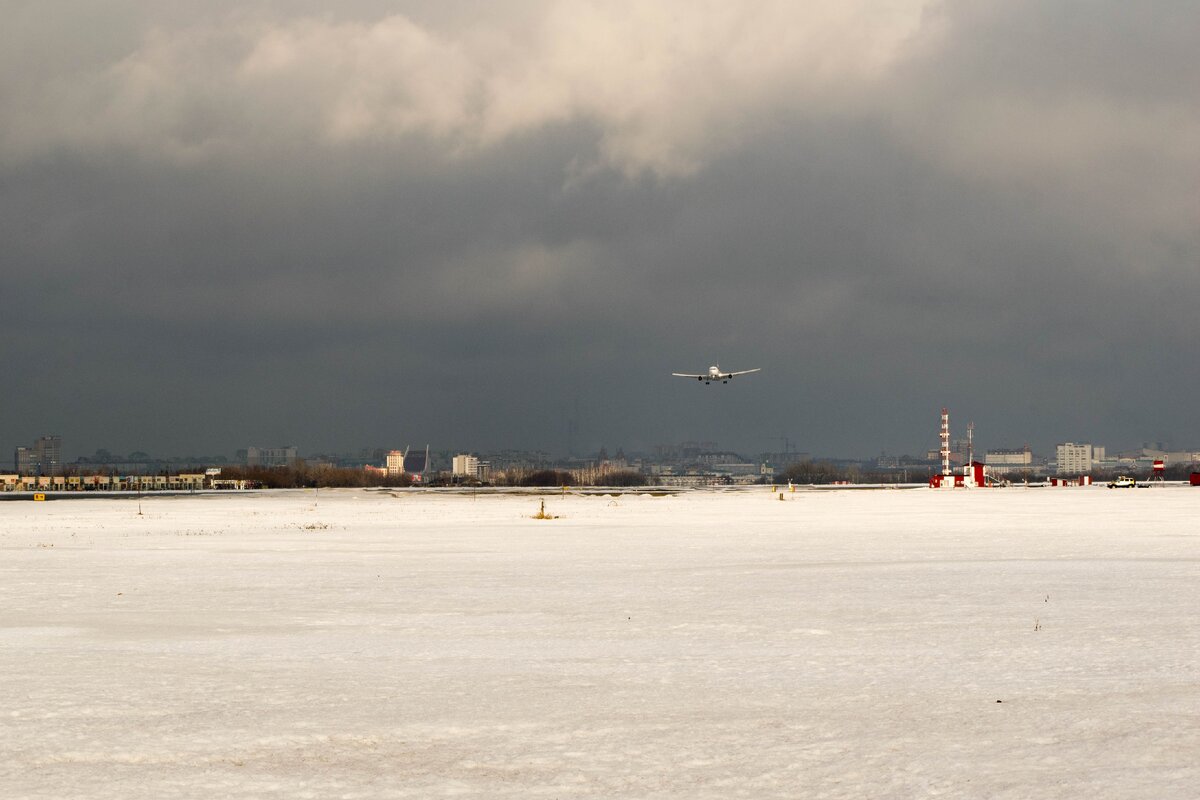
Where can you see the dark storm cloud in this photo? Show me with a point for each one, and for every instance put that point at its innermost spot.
(413, 223)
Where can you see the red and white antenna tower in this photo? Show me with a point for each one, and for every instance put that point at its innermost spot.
(945, 436)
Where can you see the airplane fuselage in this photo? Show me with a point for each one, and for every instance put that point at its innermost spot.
(715, 374)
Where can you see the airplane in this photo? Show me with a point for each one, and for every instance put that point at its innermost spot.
(715, 374)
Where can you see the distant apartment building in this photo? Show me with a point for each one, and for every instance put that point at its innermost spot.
(1005, 462)
(1074, 459)
(43, 458)
(25, 462)
(464, 464)
(1170, 457)
(271, 456)
(395, 462)
(469, 466)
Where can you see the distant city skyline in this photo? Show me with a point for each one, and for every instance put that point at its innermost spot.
(506, 224)
(50, 450)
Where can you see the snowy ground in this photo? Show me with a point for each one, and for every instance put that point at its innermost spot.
(860, 644)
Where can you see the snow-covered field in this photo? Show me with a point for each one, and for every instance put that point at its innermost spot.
(861, 644)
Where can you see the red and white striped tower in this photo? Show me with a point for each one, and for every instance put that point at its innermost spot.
(945, 435)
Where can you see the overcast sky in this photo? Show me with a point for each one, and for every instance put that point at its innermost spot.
(266, 223)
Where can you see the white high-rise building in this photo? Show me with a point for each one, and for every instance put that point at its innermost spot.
(465, 465)
(1074, 459)
(395, 462)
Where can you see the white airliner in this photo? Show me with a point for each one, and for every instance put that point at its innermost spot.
(715, 374)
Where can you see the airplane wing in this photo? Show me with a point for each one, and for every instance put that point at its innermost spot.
(685, 375)
(744, 372)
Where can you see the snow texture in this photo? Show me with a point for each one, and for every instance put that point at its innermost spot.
(1012, 643)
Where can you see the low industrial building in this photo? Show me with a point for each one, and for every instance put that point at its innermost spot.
(183, 482)
(1007, 462)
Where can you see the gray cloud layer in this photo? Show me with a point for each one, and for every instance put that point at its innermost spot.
(266, 223)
